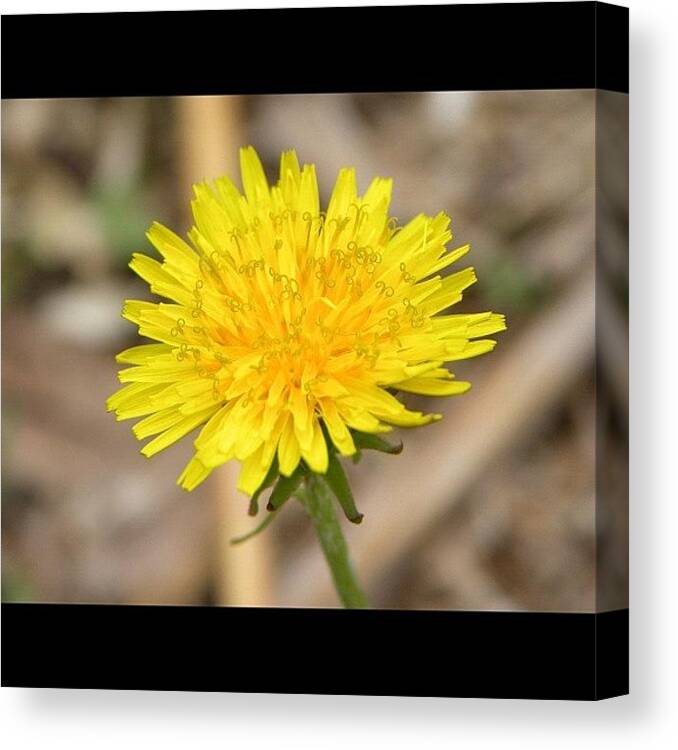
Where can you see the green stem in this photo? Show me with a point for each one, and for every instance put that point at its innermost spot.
(319, 505)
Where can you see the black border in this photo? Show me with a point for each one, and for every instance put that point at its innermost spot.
(361, 49)
(330, 651)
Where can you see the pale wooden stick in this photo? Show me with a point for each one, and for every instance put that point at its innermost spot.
(245, 572)
(210, 134)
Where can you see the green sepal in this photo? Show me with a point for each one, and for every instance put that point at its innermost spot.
(269, 480)
(337, 481)
(285, 488)
(367, 441)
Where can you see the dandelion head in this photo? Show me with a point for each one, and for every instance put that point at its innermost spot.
(288, 330)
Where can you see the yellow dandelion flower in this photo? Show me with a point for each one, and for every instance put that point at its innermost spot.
(288, 328)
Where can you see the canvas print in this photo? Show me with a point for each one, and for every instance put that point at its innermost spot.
(324, 350)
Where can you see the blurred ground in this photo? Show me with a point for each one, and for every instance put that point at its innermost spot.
(87, 518)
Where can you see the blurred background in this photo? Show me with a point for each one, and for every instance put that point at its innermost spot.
(493, 508)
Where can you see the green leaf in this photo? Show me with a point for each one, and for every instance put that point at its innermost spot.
(337, 481)
(366, 441)
(269, 479)
(285, 488)
(254, 532)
